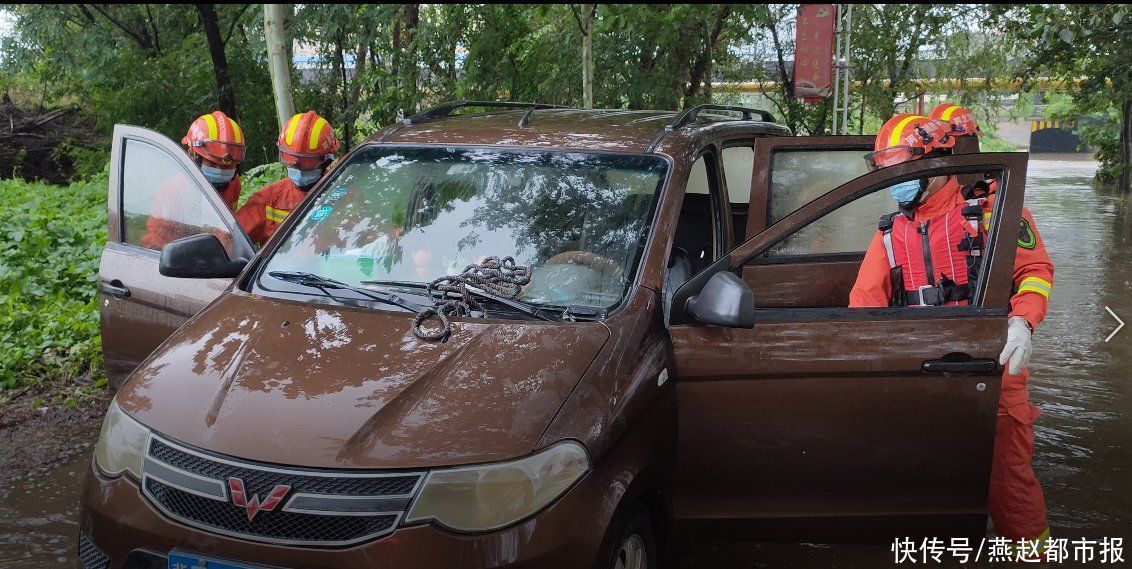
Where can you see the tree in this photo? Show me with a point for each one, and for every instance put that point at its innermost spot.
(226, 96)
(149, 65)
(1093, 44)
(585, 17)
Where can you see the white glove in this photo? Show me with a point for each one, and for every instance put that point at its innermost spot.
(1018, 346)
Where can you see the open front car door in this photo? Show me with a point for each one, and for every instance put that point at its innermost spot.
(156, 195)
(821, 422)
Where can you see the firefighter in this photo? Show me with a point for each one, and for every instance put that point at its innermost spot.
(306, 147)
(928, 253)
(215, 143)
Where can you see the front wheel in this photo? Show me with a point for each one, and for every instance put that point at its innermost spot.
(635, 545)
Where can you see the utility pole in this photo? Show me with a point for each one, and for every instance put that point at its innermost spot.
(275, 35)
(843, 35)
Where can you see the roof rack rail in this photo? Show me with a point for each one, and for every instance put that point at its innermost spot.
(443, 110)
(691, 113)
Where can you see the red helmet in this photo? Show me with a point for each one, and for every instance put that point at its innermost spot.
(961, 120)
(216, 138)
(907, 137)
(307, 141)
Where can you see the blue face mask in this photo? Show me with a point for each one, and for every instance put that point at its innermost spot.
(217, 175)
(303, 178)
(905, 192)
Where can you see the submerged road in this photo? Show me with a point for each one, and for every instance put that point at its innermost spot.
(1081, 383)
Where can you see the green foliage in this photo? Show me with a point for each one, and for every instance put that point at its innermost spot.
(147, 65)
(256, 178)
(1090, 46)
(51, 238)
(991, 143)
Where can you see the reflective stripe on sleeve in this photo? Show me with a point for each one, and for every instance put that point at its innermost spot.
(276, 215)
(1034, 284)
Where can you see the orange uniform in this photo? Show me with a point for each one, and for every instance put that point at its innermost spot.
(164, 225)
(1015, 501)
(261, 215)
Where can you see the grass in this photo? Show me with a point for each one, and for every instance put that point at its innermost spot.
(51, 238)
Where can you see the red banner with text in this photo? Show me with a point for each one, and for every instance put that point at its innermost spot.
(813, 52)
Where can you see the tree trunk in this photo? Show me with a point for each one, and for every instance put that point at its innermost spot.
(1124, 182)
(225, 95)
(405, 56)
(279, 61)
(340, 57)
(587, 20)
(701, 69)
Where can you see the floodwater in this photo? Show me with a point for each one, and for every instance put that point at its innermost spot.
(1083, 437)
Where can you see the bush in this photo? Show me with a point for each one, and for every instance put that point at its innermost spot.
(51, 238)
(256, 178)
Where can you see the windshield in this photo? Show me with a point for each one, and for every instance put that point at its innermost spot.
(416, 214)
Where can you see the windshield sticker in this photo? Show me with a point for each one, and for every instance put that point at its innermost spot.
(335, 194)
(321, 213)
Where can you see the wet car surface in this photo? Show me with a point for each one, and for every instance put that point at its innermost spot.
(1084, 436)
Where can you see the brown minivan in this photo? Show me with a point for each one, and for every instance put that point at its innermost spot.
(683, 363)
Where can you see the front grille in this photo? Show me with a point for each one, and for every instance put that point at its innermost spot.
(277, 525)
(258, 481)
(90, 556)
(192, 487)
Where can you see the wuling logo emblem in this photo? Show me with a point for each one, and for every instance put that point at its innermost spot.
(253, 506)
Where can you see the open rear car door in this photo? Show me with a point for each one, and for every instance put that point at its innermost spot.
(156, 195)
(823, 422)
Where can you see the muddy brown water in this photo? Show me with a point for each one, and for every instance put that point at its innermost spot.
(1084, 436)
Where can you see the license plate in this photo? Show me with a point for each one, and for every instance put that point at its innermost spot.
(183, 560)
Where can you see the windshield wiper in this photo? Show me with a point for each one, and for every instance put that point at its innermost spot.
(323, 283)
(521, 306)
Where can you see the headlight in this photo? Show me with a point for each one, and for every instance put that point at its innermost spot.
(491, 496)
(122, 444)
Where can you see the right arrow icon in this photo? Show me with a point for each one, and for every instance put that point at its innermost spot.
(1118, 320)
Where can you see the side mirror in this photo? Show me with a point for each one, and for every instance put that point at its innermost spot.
(198, 257)
(724, 301)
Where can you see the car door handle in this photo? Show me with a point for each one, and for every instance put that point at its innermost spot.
(114, 288)
(960, 363)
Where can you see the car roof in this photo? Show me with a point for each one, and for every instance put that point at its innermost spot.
(615, 130)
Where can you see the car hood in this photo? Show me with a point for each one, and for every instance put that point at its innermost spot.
(328, 386)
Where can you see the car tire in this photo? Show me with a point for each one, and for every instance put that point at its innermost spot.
(634, 546)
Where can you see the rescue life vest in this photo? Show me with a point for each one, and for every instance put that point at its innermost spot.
(936, 262)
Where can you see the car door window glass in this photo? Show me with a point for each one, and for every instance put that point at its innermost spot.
(738, 165)
(847, 229)
(697, 228)
(799, 176)
(854, 223)
(161, 202)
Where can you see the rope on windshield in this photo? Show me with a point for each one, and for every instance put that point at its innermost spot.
(501, 277)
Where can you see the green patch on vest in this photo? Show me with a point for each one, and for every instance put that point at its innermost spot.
(1026, 237)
